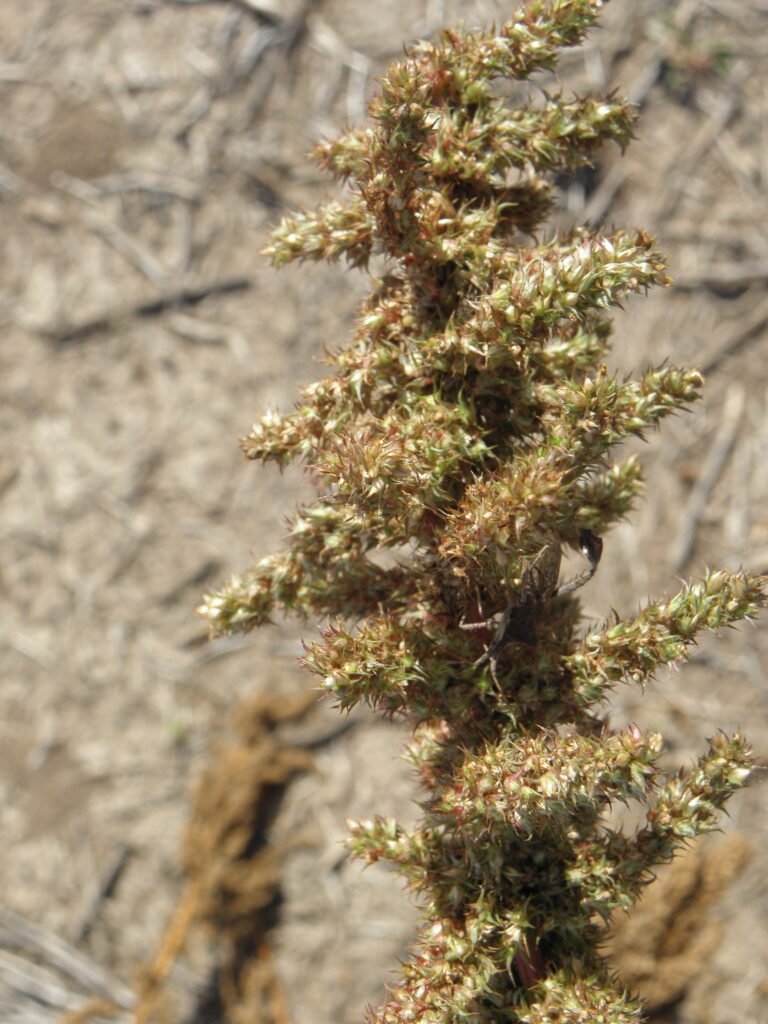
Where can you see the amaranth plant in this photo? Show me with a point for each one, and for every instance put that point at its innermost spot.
(468, 427)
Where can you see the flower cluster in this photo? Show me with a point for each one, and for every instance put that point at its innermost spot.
(466, 429)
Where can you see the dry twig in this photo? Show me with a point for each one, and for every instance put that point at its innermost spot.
(104, 890)
(725, 276)
(185, 296)
(16, 932)
(751, 330)
(711, 471)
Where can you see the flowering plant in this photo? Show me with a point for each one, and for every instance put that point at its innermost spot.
(467, 429)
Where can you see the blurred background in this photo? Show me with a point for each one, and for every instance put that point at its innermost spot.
(146, 149)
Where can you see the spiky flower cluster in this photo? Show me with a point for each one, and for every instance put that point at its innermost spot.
(467, 429)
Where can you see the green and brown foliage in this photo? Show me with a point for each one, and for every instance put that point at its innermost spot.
(465, 431)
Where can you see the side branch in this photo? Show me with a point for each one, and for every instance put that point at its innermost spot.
(633, 649)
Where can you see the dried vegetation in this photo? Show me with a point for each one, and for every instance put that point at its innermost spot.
(147, 147)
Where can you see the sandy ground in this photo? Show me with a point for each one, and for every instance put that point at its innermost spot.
(146, 149)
